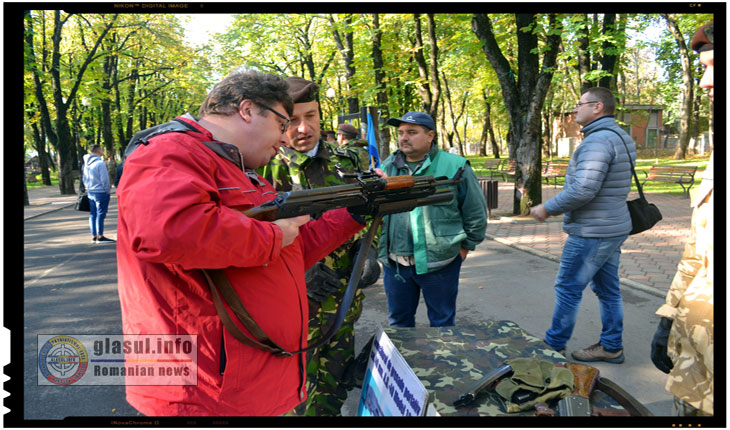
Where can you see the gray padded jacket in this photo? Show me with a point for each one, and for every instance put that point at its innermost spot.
(593, 201)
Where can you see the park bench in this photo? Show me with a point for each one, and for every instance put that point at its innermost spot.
(682, 175)
(491, 165)
(554, 170)
(506, 169)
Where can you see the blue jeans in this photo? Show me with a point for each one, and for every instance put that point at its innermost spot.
(439, 292)
(584, 260)
(98, 205)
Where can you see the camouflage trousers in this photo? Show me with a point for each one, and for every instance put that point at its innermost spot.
(684, 409)
(328, 365)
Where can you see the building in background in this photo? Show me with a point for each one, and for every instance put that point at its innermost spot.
(643, 122)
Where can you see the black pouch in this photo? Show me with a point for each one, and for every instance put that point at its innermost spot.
(643, 215)
(82, 203)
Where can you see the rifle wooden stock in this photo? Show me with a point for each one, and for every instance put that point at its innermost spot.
(397, 182)
(578, 404)
(585, 378)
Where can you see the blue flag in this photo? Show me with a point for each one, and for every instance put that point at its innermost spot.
(372, 145)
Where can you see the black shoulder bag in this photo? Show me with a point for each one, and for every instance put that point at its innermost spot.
(82, 201)
(644, 215)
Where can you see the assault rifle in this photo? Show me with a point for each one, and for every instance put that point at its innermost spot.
(369, 195)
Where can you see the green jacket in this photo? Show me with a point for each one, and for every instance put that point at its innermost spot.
(440, 231)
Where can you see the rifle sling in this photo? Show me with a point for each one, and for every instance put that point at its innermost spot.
(262, 342)
(220, 285)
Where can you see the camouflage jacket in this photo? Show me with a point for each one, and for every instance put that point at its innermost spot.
(690, 303)
(293, 170)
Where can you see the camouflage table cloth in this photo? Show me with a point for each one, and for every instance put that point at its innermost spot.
(448, 360)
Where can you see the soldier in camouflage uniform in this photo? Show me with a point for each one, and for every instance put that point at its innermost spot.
(313, 163)
(683, 345)
(348, 137)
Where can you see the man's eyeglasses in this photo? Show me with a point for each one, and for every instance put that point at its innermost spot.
(285, 126)
(585, 103)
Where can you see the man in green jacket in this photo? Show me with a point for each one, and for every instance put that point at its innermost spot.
(422, 250)
(310, 162)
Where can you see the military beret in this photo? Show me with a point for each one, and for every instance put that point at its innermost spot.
(348, 129)
(704, 38)
(302, 90)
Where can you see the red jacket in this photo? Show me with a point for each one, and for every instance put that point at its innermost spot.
(176, 215)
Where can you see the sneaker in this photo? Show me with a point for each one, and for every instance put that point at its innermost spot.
(93, 240)
(103, 239)
(563, 352)
(597, 353)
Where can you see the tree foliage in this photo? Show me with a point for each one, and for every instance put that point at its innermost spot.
(99, 78)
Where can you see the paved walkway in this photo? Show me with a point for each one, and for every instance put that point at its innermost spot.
(47, 199)
(648, 263)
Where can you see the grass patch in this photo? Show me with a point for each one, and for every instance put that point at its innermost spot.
(39, 180)
(641, 164)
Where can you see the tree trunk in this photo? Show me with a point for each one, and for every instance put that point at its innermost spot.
(449, 142)
(584, 55)
(61, 137)
(129, 130)
(524, 99)
(78, 151)
(46, 126)
(548, 133)
(40, 147)
(609, 52)
(423, 86)
(487, 130)
(26, 201)
(348, 58)
(444, 101)
(433, 66)
(711, 125)
(381, 95)
(493, 139)
(695, 123)
(118, 120)
(687, 93)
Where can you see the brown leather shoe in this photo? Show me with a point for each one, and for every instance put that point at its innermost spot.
(597, 353)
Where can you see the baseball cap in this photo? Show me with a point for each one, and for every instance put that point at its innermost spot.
(419, 118)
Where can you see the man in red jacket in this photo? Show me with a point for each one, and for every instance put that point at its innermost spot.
(179, 212)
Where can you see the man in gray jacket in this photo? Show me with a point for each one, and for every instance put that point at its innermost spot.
(596, 218)
(96, 181)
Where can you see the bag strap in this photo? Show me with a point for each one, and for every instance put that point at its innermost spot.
(633, 171)
(219, 284)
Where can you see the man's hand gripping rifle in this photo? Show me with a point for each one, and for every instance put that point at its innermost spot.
(370, 195)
